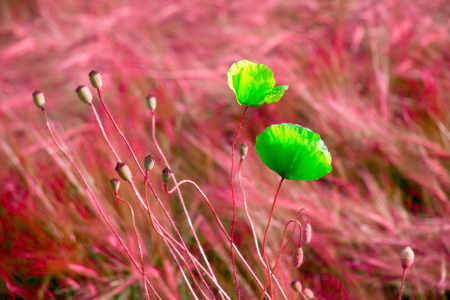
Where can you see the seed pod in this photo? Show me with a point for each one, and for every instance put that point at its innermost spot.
(124, 171)
(151, 102)
(39, 99)
(307, 233)
(243, 150)
(84, 93)
(407, 257)
(308, 293)
(149, 162)
(298, 257)
(96, 79)
(115, 184)
(166, 175)
(297, 286)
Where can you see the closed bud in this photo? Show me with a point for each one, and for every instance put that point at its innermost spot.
(96, 79)
(84, 93)
(38, 98)
(307, 233)
(151, 102)
(407, 257)
(297, 286)
(166, 175)
(308, 293)
(298, 257)
(149, 162)
(243, 150)
(124, 171)
(115, 184)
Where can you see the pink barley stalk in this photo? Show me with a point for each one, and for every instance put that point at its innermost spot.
(233, 197)
(94, 199)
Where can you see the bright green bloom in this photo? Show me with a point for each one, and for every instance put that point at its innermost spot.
(254, 84)
(294, 152)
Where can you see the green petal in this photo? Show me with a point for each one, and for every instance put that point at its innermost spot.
(253, 83)
(275, 94)
(294, 152)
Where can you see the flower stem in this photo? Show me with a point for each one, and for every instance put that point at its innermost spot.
(233, 223)
(402, 286)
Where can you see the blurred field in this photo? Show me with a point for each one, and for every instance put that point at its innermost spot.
(371, 77)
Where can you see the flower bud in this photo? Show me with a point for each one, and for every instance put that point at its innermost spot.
(243, 150)
(84, 93)
(115, 184)
(308, 293)
(124, 171)
(149, 162)
(151, 102)
(39, 99)
(298, 257)
(96, 79)
(297, 286)
(407, 257)
(307, 233)
(166, 175)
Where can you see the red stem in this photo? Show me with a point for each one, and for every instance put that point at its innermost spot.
(267, 230)
(403, 284)
(233, 223)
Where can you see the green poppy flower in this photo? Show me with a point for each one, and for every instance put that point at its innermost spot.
(294, 152)
(254, 84)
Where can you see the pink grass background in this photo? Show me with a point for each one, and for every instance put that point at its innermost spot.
(371, 77)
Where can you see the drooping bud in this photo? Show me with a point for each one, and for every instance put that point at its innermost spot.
(39, 99)
(308, 293)
(298, 257)
(149, 162)
(307, 233)
(166, 175)
(151, 102)
(115, 184)
(84, 93)
(407, 257)
(297, 286)
(96, 79)
(243, 150)
(124, 171)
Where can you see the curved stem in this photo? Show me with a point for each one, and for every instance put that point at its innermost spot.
(191, 226)
(104, 133)
(139, 245)
(402, 286)
(233, 223)
(267, 230)
(283, 247)
(96, 202)
(226, 233)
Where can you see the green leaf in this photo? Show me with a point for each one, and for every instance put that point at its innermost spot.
(254, 84)
(294, 152)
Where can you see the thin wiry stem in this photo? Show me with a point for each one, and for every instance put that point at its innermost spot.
(227, 236)
(191, 226)
(133, 186)
(134, 157)
(104, 133)
(267, 230)
(402, 286)
(233, 197)
(255, 237)
(139, 246)
(96, 202)
(283, 247)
